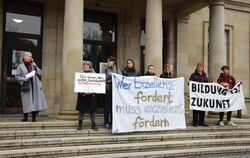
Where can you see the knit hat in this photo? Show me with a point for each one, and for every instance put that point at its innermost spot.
(88, 63)
(200, 64)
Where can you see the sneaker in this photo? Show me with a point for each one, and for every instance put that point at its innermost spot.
(107, 126)
(221, 123)
(231, 123)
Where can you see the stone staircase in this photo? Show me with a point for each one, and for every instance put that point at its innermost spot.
(61, 139)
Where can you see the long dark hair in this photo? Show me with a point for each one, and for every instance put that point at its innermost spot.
(127, 68)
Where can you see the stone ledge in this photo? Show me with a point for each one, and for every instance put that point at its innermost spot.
(219, 151)
(118, 148)
(94, 140)
(21, 134)
(55, 124)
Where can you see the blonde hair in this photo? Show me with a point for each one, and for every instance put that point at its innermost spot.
(25, 54)
(167, 66)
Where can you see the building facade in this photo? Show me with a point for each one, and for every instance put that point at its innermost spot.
(62, 33)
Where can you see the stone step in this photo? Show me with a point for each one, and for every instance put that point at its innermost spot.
(123, 148)
(219, 152)
(98, 140)
(57, 133)
(55, 124)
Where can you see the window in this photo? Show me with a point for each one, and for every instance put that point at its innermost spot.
(99, 37)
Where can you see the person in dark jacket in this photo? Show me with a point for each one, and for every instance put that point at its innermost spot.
(112, 68)
(199, 76)
(130, 70)
(228, 81)
(86, 101)
(151, 71)
(168, 71)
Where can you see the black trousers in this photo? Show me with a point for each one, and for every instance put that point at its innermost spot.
(229, 115)
(198, 117)
(34, 113)
(108, 109)
(92, 116)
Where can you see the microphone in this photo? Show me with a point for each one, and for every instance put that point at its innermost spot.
(32, 59)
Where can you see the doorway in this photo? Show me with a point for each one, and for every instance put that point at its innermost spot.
(100, 36)
(22, 33)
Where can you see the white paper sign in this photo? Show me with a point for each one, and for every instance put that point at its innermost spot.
(29, 75)
(90, 83)
(214, 97)
(147, 103)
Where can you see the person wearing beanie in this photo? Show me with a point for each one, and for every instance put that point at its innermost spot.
(86, 101)
(199, 76)
(227, 81)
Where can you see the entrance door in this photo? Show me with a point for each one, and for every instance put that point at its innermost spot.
(22, 33)
(99, 41)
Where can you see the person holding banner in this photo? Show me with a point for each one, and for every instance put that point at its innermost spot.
(227, 81)
(130, 70)
(199, 76)
(86, 101)
(111, 68)
(151, 71)
(168, 71)
(33, 99)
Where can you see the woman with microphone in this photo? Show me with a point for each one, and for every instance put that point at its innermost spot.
(33, 99)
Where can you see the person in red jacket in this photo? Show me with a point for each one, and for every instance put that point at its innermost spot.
(225, 77)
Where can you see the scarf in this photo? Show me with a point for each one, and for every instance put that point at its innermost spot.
(28, 66)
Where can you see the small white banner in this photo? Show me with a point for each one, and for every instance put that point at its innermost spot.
(90, 83)
(214, 97)
(147, 103)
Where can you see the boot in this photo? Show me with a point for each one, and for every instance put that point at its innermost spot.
(25, 117)
(93, 126)
(34, 116)
(79, 125)
(239, 113)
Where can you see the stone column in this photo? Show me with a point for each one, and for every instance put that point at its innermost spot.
(171, 53)
(154, 37)
(217, 52)
(182, 49)
(71, 56)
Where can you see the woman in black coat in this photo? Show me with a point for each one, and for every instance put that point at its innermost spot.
(86, 101)
(199, 76)
(129, 70)
(150, 71)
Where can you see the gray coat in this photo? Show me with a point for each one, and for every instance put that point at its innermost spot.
(39, 102)
(112, 69)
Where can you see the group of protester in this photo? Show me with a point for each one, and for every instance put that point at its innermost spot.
(225, 79)
(33, 99)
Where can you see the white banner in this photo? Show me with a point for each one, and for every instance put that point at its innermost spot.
(147, 103)
(214, 97)
(90, 83)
